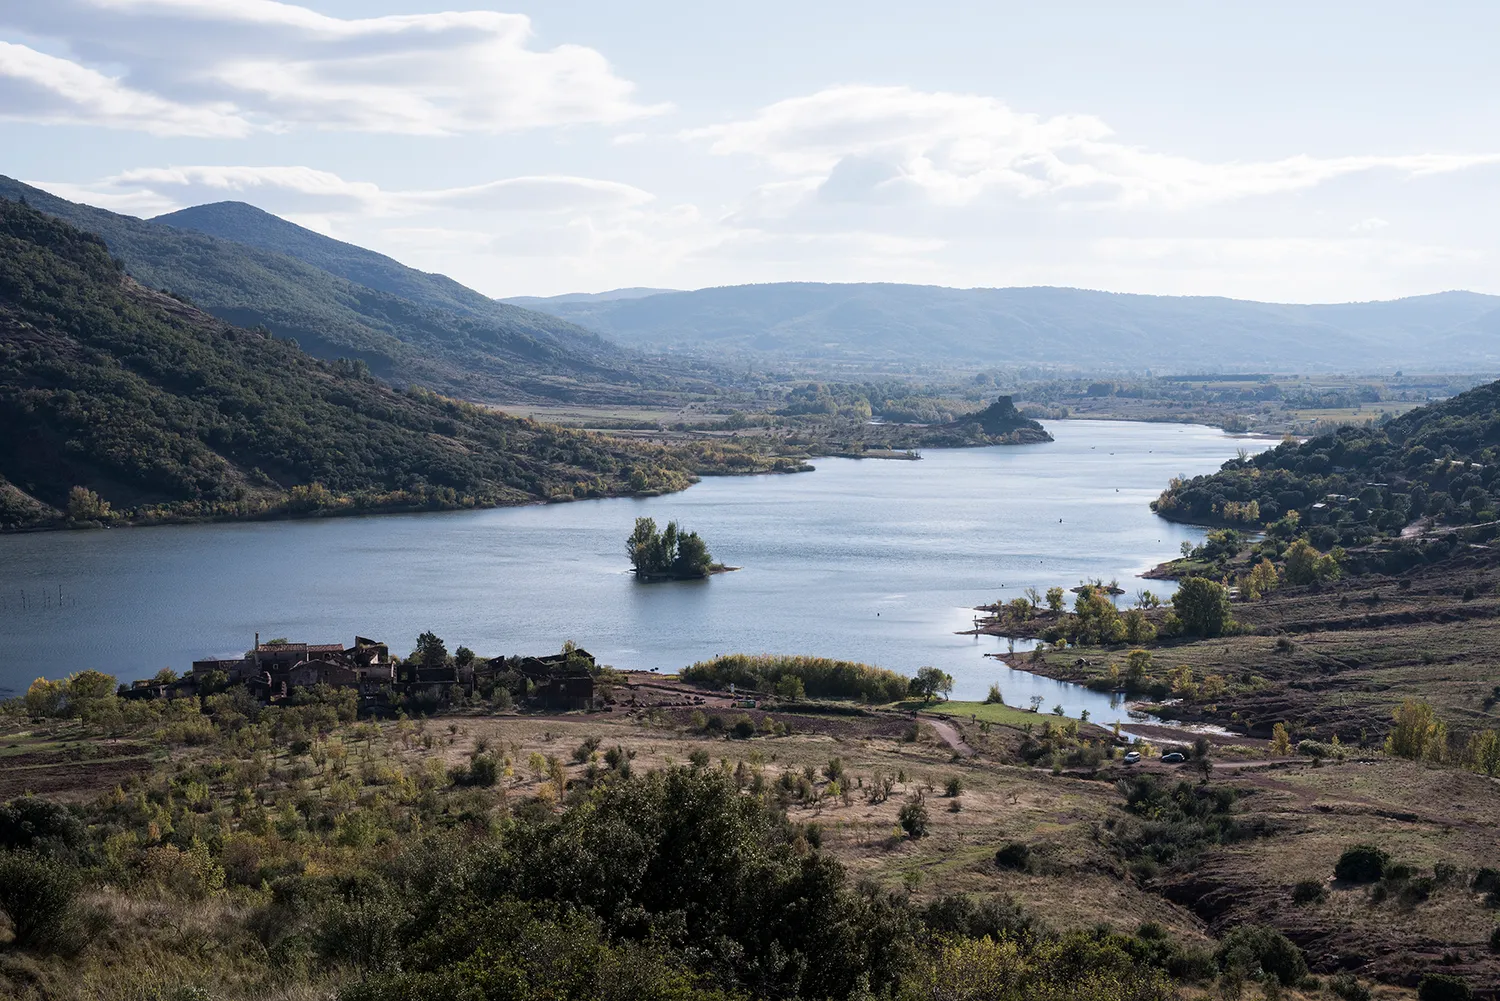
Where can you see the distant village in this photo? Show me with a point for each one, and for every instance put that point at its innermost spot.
(277, 670)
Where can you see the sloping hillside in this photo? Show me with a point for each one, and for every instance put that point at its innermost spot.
(511, 354)
(919, 324)
(254, 227)
(1436, 462)
(163, 411)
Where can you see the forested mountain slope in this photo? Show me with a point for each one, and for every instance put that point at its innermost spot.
(509, 354)
(1437, 461)
(254, 227)
(921, 324)
(163, 411)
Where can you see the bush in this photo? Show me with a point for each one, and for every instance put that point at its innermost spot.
(36, 894)
(1249, 948)
(1308, 891)
(1016, 855)
(1495, 939)
(1444, 987)
(743, 729)
(955, 785)
(1486, 880)
(913, 818)
(33, 822)
(1346, 987)
(1361, 864)
(586, 750)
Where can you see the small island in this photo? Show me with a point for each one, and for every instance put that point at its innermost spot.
(671, 554)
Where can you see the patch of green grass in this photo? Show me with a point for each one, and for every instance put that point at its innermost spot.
(988, 712)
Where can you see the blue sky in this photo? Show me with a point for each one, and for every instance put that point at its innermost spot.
(1292, 152)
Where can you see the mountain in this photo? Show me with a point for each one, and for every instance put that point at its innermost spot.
(923, 324)
(573, 298)
(441, 335)
(1437, 461)
(165, 412)
(255, 227)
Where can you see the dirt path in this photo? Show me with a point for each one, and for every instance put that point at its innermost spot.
(950, 736)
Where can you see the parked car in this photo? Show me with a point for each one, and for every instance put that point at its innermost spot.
(1132, 757)
(1175, 758)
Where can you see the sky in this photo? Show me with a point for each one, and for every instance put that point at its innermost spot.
(1293, 152)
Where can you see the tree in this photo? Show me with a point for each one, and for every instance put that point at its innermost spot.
(1138, 628)
(430, 651)
(913, 818)
(85, 505)
(1261, 581)
(1417, 733)
(1281, 741)
(1202, 607)
(1055, 598)
(929, 681)
(1305, 564)
(791, 687)
(1137, 667)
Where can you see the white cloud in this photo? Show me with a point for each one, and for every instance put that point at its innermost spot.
(44, 88)
(895, 144)
(1370, 225)
(323, 194)
(225, 67)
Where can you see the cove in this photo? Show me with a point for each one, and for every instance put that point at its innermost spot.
(867, 560)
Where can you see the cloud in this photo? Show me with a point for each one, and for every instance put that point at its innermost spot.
(895, 144)
(47, 89)
(228, 67)
(321, 194)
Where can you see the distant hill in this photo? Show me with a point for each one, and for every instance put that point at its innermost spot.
(573, 298)
(164, 411)
(922, 324)
(434, 333)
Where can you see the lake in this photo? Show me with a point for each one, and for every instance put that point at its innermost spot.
(873, 560)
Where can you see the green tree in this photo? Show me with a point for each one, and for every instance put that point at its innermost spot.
(1202, 606)
(929, 681)
(913, 818)
(1055, 598)
(430, 651)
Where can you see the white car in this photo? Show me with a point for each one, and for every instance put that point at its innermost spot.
(1132, 757)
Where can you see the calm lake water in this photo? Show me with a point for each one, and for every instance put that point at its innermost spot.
(873, 560)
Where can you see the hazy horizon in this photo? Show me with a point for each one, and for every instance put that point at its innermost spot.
(1274, 155)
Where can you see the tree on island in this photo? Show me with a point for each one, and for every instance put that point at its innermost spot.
(669, 553)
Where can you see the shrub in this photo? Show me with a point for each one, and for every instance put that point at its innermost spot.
(1486, 880)
(1308, 891)
(33, 822)
(1444, 987)
(743, 729)
(586, 750)
(1495, 939)
(1248, 948)
(913, 818)
(1361, 864)
(1346, 987)
(36, 894)
(955, 785)
(1016, 855)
